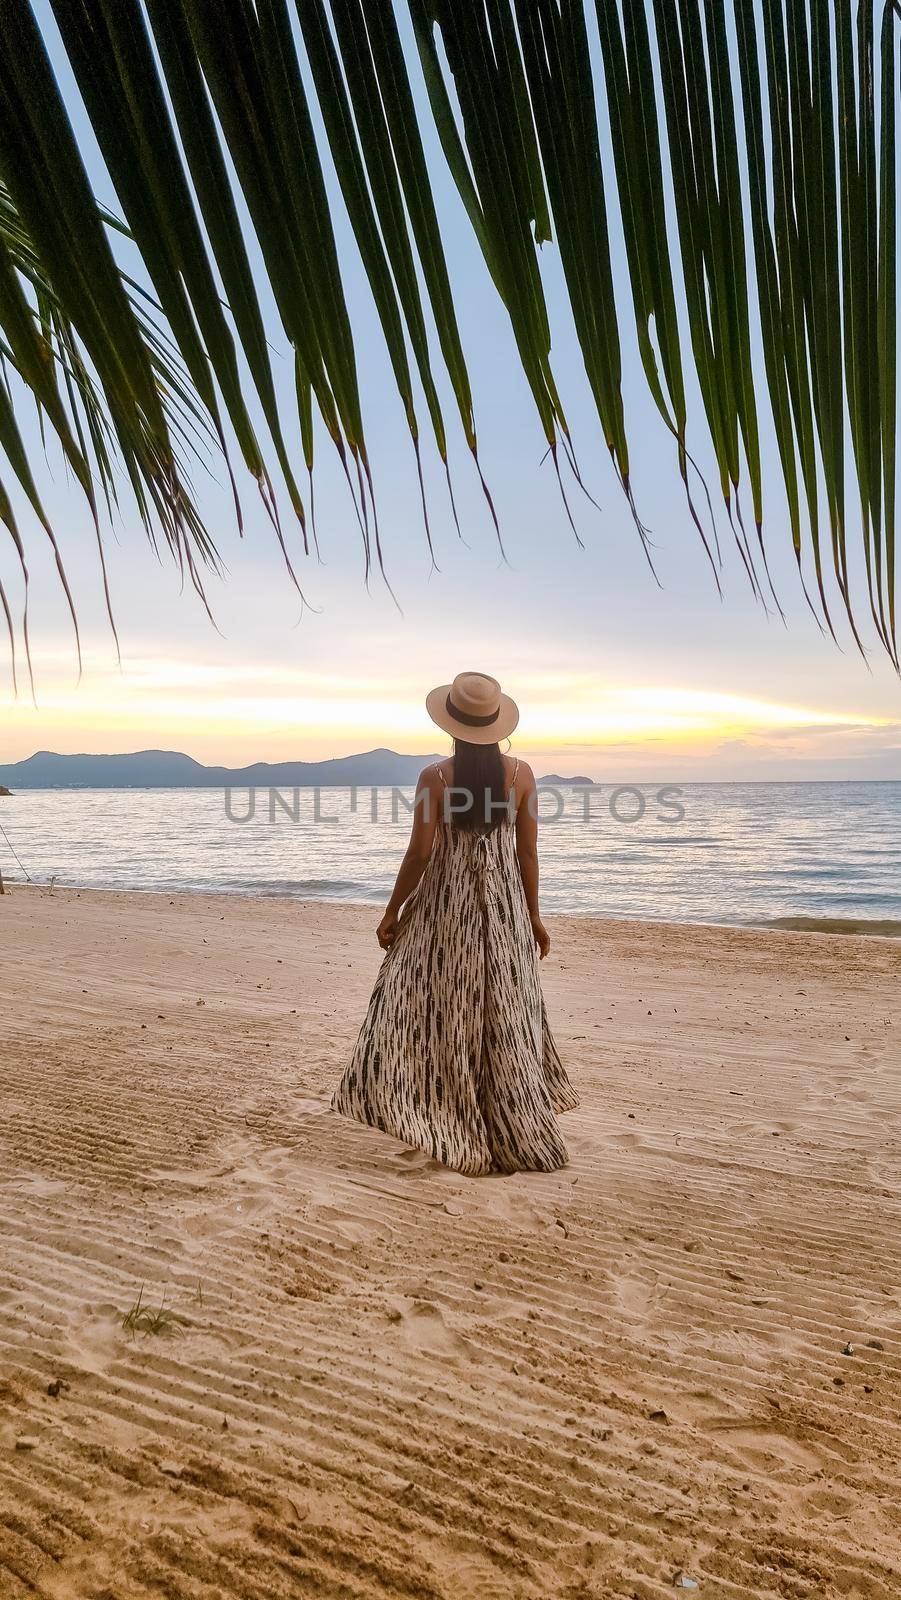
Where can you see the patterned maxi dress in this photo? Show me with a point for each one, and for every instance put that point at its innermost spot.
(455, 1055)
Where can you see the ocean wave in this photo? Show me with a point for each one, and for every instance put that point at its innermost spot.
(339, 887)
(809, 857)
(883, 927)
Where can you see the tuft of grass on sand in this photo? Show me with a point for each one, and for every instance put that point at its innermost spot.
(147, 1319)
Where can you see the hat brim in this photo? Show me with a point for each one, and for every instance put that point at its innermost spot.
(504, 724)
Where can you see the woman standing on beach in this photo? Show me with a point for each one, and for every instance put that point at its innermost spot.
(455, 1055)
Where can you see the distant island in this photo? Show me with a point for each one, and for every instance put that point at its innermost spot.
(169, 769)
(4, 792)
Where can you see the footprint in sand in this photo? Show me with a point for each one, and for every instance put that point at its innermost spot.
(209, 1221)
(639, 1300)
(421, 1326)
(310, 1106)
(501, 1200)
(353, 1229)
(95, 1340)
(626, 1141)
(36, 1186)
(832, 1502)
(476, 1578)
(189, 1177)
(409, 1163)
(759, 1442)
(505, 1201)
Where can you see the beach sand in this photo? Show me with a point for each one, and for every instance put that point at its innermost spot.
(679, 1356)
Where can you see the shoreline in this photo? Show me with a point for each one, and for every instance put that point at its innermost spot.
(597, 783)
(362, 1374)
(839, 927)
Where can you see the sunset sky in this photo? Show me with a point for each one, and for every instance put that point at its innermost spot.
(614, 674)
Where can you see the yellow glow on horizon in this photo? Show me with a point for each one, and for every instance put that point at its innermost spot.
(268, 713)
(678, 715)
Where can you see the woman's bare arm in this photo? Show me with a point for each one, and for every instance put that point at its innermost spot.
(527, 851)
(416, 858)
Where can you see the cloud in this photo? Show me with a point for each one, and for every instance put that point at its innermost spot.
(224, 710)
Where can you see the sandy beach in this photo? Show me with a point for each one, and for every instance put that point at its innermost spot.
(677, 1362)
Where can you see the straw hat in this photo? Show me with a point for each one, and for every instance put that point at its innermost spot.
(473, 708)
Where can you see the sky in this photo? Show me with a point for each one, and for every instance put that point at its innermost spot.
(617, 674)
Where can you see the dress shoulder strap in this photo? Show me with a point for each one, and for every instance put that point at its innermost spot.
(515, 770)
(440, 773)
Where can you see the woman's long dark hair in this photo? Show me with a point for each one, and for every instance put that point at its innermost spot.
(479, 769)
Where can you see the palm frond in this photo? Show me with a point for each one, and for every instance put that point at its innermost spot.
(767, 126)
(44, 354)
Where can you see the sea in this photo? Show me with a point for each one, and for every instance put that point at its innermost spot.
(826, 853)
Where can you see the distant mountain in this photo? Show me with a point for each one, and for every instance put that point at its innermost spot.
(169, 769)
(554, 777)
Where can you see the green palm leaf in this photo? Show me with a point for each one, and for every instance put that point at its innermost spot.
(757, 214)
(43, 352)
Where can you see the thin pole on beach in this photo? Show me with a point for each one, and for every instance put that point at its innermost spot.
(15, 855)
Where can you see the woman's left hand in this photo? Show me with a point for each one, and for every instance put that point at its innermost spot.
(386, 932)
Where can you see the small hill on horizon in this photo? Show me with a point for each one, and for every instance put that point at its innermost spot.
(171, 769)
